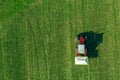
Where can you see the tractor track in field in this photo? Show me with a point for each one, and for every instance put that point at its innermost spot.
(35, 44)
(2, 53)
(115, 18)
(35, 39)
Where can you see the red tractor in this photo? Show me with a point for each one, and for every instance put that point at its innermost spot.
(81, 51)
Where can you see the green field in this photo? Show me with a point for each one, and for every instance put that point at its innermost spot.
(37, 39)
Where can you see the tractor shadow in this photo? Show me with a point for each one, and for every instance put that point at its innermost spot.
(91, 42)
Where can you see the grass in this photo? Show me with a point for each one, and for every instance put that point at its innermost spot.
(37, 39)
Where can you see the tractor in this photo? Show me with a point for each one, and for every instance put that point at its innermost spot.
(81, 57)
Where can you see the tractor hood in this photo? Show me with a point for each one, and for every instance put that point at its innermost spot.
(81, 60)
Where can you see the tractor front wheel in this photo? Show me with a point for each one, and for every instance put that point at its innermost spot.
(76, 39)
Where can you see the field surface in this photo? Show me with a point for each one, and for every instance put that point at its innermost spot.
(37, 39)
